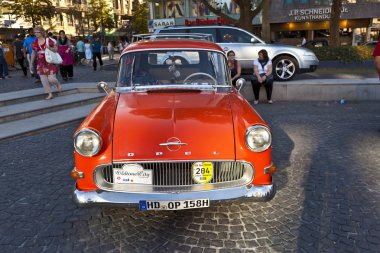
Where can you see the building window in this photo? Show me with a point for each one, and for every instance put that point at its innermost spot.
(304, 1)
(198, 9)
(288, 3)
(159, 10)
(175, 9)
(60, 19)
(322, 2)
(70, 20)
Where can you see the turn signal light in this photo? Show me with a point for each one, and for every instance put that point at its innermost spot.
(271, 169)
(77, 174)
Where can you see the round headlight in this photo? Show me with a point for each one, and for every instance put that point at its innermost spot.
(258, 138)
(87, 142)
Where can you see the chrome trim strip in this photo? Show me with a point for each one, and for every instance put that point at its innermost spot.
(254, 193)
(169, 87)
(174, 143)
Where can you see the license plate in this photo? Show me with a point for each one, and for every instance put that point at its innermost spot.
(132, 174)
(173, 205)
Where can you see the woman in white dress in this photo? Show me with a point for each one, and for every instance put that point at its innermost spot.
(87, 50)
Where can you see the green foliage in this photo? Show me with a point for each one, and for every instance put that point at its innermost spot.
(344, 54)
(100, 13)
(141, 14)
(32, 11)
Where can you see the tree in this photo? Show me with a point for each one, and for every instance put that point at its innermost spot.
(336, 10)
(100, 13)
(140, 21)
(31, 11)
(265, 22)
(246, 14)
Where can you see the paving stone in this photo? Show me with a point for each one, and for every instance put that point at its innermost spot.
(327, 194)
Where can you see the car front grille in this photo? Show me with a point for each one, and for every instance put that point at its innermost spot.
(177, 176)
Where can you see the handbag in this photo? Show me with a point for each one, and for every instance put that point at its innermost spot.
(52, 57)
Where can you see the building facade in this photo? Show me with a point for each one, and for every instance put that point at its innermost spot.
(290, 20)
(63, 20)
(360, 20)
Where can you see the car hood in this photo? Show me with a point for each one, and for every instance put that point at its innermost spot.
(202, 121)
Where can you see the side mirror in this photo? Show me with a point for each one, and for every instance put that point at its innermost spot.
(240, 83)
(103, 87)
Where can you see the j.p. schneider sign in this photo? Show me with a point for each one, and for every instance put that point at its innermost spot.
(312, 13)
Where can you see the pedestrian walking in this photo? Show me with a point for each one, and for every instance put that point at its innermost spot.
(234, 67)
(376, 55)
(47, 71)
(30, 38)
(120, 46)
(87, 47)
(19, 53)
(50, 35)
(303, 42)
(96, 51)
(262, 69)
(4, 72)
(110, 49)
(64, 50)
(81, 50)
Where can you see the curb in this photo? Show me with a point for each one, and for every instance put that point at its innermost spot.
(366, 89)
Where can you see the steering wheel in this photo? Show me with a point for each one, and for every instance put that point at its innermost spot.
(200, 74)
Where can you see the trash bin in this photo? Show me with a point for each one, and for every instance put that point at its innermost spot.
(8, 53)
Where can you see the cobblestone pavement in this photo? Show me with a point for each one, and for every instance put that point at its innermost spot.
(328, 197)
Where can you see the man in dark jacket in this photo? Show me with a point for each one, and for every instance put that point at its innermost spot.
(19, 53)
(96, 47)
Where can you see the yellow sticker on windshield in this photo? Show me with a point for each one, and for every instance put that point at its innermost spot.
(202, 172)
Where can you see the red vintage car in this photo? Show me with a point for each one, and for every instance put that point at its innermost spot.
(172, 134)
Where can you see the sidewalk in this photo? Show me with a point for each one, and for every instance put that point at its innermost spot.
(82, 73)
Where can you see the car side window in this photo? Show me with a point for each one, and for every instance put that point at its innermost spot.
(234, 36)
(173, 31)
(211, 31)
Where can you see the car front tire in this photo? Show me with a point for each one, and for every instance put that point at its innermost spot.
(284, 68)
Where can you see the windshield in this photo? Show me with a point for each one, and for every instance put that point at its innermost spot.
(173, 67)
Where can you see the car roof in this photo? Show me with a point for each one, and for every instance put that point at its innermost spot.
(195, 26)
(173, 44)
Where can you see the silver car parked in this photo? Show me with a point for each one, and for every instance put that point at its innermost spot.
(287, 60)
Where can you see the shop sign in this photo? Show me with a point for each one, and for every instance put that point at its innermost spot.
(207, 21)
(160, 23)
(312, 13)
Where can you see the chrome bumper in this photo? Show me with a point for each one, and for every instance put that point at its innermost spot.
(261, 193)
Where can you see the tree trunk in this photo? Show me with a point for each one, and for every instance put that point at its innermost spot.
(245, 21)
(336, 10)
(265, 27)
